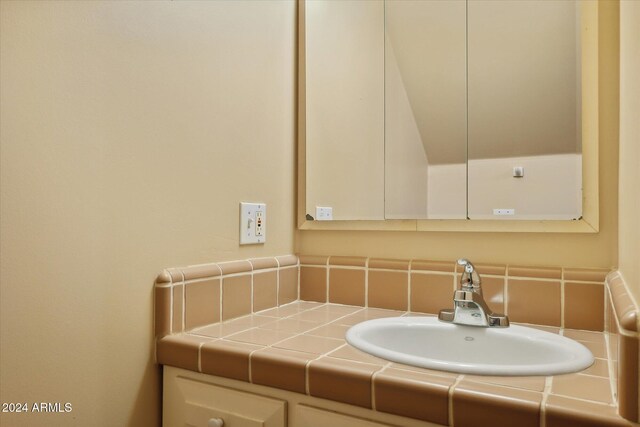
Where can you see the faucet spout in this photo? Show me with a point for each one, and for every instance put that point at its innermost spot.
(470, 307)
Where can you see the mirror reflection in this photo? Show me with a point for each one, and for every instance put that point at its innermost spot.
(443, 109)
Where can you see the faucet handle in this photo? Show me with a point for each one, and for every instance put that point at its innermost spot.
(470, 279)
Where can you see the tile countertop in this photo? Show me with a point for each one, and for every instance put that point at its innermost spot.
(301, 347)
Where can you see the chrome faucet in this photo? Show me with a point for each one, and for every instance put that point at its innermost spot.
(469, 305)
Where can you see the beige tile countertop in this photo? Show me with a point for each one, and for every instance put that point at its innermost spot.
(301, 347)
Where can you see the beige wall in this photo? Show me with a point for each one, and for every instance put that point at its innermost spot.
(588, 250)
(130, 133)
(629, 243)
(345, 107)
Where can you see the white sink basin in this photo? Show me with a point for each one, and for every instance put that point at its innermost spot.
(429, 343)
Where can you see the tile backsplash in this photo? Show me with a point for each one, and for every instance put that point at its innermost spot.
(552, 296)
(189, 297)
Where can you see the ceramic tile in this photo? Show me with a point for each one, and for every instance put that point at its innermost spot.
(586, 274)
(600, 368)
(263, 263)
(525, 383)
(203, 271)
(562, 411)
(236, 296)
(180, 350)
(313, 260)
(313, 284)
(288, 285)
(235, 267)
(265, 290)
(535, 272)
(584, 306)
(227, 359)
(534, 301)
(291, 325)
(347, 286)
(310, 344)
(431, 293)
(341, 380)
(367, 314)
(582, 387)
(628, 377)
(476, 404)
(202, 303)
(389, 264)
(349, 352)
(425, 265)
(490, 269)
(341, 310)
(257, 336)
(330, 331)
(493, 293)
(598, 349)
(597, 337)
(162, 309)
(388, 289)
(353, 261)
(283, 369)
(319, 316)
(287, 260)
(178, 304)
(432, 372)
(284, 310)
(413, 394)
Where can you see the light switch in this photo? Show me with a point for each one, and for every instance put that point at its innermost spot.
(253, 223)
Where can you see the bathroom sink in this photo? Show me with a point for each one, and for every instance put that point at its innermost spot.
(429, 343)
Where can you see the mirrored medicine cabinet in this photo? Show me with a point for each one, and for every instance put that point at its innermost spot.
(448, 115)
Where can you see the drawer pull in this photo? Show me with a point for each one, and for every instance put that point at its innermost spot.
(215, 422)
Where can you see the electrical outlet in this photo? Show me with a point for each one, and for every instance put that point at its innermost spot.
(324, 213)
(253, 223)
(504, 211)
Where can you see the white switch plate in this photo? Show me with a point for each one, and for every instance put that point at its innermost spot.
(504, 211)
(253, 223)
(324, 213)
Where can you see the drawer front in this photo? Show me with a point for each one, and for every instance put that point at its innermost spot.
(194, 403)
(308, 416)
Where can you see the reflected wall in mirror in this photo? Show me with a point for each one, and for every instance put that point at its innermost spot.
(425, 109)
(443, 109)
(344, 59)
(524, 108)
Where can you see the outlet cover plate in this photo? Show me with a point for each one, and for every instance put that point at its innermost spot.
(251, 215)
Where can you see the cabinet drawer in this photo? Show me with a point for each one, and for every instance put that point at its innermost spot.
(194, 403)
(308, 416)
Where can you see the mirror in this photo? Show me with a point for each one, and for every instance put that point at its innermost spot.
(442, 110)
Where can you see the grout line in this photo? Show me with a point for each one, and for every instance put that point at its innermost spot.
(221, 288)
(543, 402)
(366, 283)
(252, 293)
(373, 384)
(200, 355)
(183, 326)
(409, 288)
(562, 300)
(505, 295)
(170, 309)
(278, 283)
(459, 378)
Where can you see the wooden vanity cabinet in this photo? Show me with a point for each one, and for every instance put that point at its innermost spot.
(195, 400)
